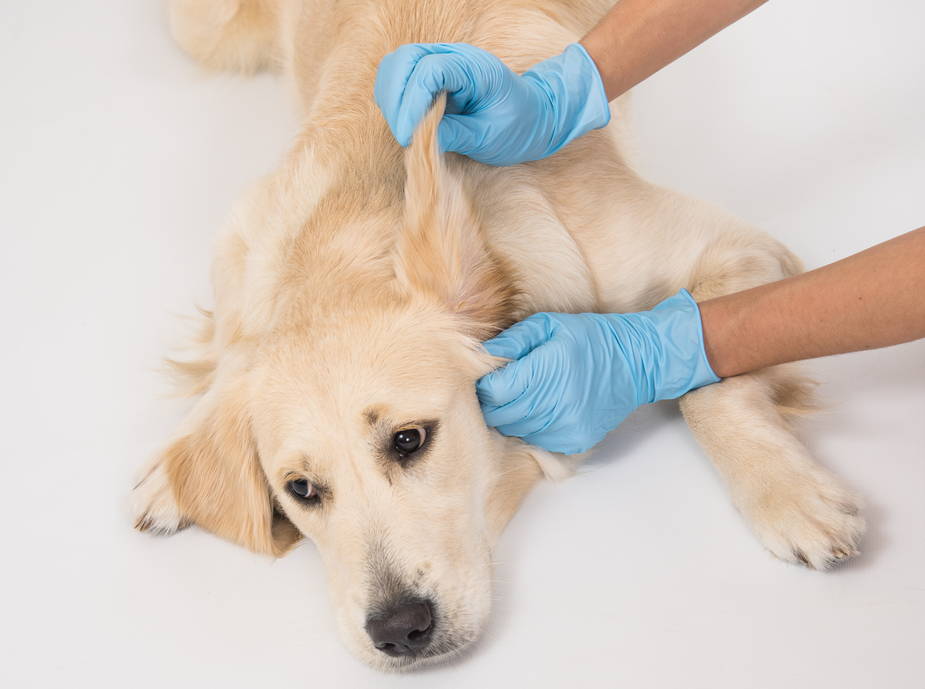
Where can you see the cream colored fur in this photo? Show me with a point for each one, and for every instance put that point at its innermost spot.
(352, 288)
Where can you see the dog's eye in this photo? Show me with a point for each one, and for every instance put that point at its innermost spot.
(303, 490)
(409, 440)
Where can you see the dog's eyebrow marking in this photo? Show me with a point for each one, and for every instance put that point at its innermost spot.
(371, 415)
(307, 466)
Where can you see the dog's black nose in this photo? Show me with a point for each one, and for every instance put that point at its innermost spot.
(403, 628)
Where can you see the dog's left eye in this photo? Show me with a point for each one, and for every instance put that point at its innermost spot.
(409, 440)
(303, 490)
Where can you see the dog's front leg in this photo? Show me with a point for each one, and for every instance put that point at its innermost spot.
(799, 510)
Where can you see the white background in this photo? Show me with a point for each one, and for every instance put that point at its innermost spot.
(119, 160)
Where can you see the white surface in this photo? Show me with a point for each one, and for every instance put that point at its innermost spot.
(120, 160)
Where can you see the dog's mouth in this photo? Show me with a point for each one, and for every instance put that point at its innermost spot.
(443, 649)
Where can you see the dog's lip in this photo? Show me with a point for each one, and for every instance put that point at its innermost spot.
(440, 653)
(420, 660)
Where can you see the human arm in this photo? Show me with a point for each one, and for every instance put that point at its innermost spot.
(574, 377)
(501, 118)
(636, 38)
(872, 299)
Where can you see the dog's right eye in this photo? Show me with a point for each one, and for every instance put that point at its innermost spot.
(409, 440)
(303, 490)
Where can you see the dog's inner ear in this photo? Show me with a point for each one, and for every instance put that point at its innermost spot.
(441, 249)
(217, 480)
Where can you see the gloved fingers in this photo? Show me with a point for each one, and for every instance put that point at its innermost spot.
(431, 74)
(460, 134)
(521, 338)
(566, 441)
(392, 78)
(525, 422)
(505, 395)
(571, 437)
(515, 418)
(502, 386)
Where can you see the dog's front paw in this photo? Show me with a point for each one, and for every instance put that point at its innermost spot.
(154, 507)
(807, 517)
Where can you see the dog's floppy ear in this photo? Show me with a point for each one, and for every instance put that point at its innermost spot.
(216, 479)
(441, 250)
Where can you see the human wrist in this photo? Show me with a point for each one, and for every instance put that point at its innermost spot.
(674, 359)
(571, 86)
(718, 326)
(599, 48)
(682, 330)
(592, 96)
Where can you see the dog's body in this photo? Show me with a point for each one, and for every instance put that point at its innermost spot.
(350, 298)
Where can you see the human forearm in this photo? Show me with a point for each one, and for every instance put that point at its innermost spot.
(872, 299)
(639, 37)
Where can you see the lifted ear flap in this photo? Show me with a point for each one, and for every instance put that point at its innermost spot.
(217, 481)
(441, 250)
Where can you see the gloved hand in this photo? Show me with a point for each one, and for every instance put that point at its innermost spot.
(493, 115)
(575, 377)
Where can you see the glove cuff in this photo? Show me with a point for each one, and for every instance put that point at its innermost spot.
(575, 92)
(684, 364)
(595, 111)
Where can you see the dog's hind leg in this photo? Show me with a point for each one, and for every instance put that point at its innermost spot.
(799, 510)
(234, 35)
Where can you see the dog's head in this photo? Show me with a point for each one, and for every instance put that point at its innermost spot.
(359, 428)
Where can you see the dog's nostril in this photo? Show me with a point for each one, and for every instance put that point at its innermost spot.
(402, 629)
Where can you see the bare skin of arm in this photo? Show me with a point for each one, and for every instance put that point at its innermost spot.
(872, 299)
(639, 37)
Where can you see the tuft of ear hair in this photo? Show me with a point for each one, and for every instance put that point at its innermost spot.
(441, 250)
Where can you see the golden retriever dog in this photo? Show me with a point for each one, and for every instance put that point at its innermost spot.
(335, 375)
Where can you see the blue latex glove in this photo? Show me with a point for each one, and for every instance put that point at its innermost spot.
(493, 115)
(575, 377)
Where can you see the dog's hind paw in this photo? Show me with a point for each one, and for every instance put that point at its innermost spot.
(154, 508)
